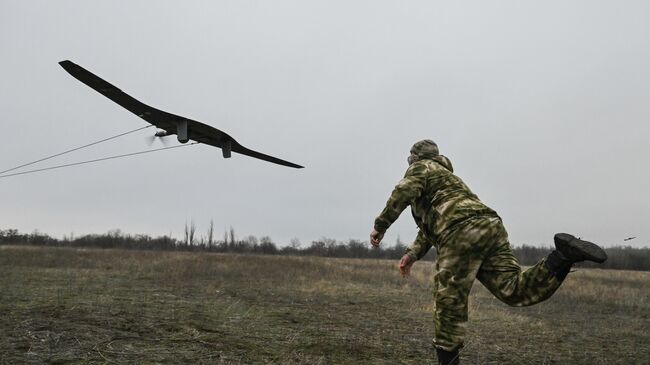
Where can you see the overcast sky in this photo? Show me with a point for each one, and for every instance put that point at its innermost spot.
(542, 106)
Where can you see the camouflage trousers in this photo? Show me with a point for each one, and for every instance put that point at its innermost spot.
(479, 249)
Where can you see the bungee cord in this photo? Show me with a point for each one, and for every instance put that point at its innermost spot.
(72, 150)
(95, 160)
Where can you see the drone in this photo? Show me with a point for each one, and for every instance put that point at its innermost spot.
(169, 124)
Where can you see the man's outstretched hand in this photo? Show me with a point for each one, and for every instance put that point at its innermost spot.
(405, 265)
(376, 237)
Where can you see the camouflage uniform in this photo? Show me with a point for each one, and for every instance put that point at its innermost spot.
(470, 240)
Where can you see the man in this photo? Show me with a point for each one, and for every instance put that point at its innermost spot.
(471, 242)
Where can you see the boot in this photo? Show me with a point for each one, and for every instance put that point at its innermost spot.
(568, 251)
(448, 357)
(578, 250)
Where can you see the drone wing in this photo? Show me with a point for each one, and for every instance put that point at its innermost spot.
(154, 116)
(173, 124)
(206, 134)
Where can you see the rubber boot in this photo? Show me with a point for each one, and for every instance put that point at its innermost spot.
(448, 357)
(568, 251)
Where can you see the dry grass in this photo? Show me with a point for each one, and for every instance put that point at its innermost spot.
(108, 306)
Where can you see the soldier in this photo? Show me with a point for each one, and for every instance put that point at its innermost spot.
(471, 243)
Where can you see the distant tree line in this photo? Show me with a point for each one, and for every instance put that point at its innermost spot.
(621, 258)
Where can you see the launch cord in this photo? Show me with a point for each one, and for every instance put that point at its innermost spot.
(68, 151)
(95, 160)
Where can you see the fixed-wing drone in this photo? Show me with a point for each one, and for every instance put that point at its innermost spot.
(168, 124)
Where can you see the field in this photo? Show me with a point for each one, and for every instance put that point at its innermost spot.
(61, 305)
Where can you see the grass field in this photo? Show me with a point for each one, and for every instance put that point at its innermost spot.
(60, 305)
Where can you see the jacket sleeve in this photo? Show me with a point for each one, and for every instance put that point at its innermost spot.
(419, 247)
(407, 190)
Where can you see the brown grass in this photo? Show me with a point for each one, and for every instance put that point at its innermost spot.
(110, 306)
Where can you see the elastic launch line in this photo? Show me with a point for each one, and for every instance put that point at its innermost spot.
(96, 160)
(72, 150)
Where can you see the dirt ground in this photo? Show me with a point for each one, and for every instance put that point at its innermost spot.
(67, 306)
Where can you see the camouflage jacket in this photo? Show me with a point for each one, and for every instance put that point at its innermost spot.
(439, 201)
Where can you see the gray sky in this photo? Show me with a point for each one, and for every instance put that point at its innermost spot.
(543, 107)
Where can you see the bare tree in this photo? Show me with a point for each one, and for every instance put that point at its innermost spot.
(232, 236)
(187, 234)
(251, 240)
(295, 243)
(267, 246)
(211, 234)
(192, 232)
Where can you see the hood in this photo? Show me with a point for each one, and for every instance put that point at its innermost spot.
(444, 161)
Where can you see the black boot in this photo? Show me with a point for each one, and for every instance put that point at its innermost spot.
(448, 357)
(576, 250)
(570, 250)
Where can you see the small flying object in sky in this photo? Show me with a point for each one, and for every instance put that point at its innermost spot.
(629, 238)
(168, 124)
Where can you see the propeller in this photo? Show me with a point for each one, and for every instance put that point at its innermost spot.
(160, 134)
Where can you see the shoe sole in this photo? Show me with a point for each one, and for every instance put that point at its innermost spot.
(590, 251)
